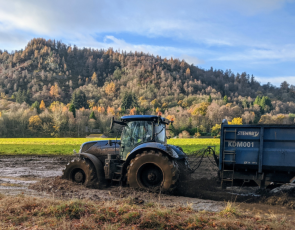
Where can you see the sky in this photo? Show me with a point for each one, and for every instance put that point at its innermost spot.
(252, 36)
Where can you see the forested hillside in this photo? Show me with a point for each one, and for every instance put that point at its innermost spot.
(54, 89)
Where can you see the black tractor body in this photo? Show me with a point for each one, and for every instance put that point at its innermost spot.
(141, 158)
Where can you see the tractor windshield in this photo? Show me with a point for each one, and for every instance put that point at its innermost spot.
(137, 132)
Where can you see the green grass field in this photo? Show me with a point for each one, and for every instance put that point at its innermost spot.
(65, 146)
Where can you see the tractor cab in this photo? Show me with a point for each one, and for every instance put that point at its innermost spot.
(140, 129)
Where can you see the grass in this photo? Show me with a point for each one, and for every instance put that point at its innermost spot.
(65, 146)
(21, 212)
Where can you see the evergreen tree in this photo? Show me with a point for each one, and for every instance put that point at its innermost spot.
(92, 116)
(19, 98)
(257, 100)
(209, 99)
(79, 99)
(36, 106)
(73, 110)
(245, 103)
(129, 101)
(225, 99)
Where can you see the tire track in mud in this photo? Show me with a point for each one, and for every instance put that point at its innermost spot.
(39, 176)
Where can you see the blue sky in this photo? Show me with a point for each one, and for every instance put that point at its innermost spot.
(253, 36)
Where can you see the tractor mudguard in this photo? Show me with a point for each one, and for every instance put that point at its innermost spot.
(97, 164)
(170, 150)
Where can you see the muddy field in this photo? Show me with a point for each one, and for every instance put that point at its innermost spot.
(40, 176)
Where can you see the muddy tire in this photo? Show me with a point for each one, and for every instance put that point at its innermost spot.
(153, 171)
(81, 171)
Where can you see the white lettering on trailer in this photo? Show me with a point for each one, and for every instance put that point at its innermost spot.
(240, 144)
(248, 133)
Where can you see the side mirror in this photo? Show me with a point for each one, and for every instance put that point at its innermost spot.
(110, 142)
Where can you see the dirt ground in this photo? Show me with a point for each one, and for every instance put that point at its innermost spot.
(40, 176)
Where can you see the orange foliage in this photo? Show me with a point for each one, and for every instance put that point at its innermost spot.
(101, 110)
(42, 105)
(56, 106)
(133, 111)
(65, 109)
(35, 123)
(170, 117)
(54, 91)
(111, 111)
(110, 88)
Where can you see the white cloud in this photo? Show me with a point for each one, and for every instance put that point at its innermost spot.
(251, 7)
(57, 18)
(281, 53)
(276, 80)
(192, 59)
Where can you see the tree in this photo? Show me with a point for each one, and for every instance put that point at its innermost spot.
(225, 99)
(236, 121)
(73, 110)
(210, 99)
(92, 116)
(79, 99)
(216, 129)
(200, 109)
(35, 123)
(110, 88)
(188, 72)
(54, 91)
(94, 78)
(129, 101)
(36, 106)
(133, 111)
(42, 105)
(111, 111)
(101, 110)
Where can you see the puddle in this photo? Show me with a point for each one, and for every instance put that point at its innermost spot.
(18, 172)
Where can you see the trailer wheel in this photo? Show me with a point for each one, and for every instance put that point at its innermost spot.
(153, 171)
(81, 171)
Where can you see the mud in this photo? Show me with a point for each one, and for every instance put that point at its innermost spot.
(40, 176)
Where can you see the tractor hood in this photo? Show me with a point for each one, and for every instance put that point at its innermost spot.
(100, 147)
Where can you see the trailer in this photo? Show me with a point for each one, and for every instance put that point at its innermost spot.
(261, 153)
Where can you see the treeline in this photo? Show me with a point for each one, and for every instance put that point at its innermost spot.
(107, 82)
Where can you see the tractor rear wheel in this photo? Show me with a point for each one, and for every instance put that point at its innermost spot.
(154, 171)
(80, 171)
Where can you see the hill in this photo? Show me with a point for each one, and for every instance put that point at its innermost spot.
(52, 74)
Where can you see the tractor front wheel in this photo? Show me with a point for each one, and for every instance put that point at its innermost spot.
(80, 171)
(154, 171)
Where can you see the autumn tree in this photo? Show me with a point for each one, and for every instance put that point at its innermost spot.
(42, 105)
(35, 123)
(188, 72)
(236, 121)
(94, 78)
(111, 111)
(55, 91)
(110, 88)
(132, 111)
(216, 129)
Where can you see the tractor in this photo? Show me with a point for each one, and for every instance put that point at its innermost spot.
(140, 159)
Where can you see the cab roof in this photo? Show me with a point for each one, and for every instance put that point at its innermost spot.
(143, 118)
